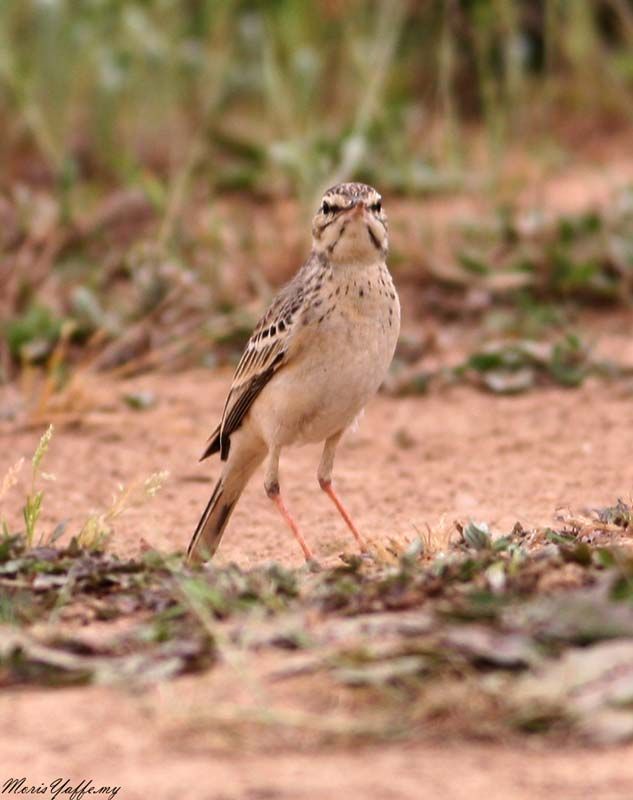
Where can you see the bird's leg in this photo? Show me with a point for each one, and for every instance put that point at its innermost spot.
(271, 484)
(325, 482)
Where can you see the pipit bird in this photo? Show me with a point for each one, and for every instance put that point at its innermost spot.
(315, 358)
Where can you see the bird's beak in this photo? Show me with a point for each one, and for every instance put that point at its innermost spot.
(357, 209)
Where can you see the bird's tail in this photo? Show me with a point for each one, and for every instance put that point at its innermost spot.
(226, 493)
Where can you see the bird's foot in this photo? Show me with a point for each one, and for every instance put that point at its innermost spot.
(312, 565)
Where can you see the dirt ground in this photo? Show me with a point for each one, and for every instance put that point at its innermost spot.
(413, 463)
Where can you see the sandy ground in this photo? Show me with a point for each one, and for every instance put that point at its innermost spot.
(412, 463)
(115, 739)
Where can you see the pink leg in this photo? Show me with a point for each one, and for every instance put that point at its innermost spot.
(276, 498)
(329, 490)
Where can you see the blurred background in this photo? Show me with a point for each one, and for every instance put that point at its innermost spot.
(161, 159)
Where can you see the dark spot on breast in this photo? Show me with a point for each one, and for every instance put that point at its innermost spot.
(320, 320)
(265, 333)
(281, 325)
(361, 293)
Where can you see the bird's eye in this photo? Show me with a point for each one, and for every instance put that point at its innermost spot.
(325, 208)
(377, 206)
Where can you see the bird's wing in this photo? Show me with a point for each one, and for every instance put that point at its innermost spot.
(268, 350)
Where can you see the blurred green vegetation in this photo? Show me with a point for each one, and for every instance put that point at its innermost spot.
(127, 123)
(286, 94)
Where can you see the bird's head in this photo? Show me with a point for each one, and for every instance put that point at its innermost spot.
(350, 225)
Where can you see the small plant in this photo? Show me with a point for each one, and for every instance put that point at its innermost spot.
(542, 265)
(33, 503)
(8, 482)
(511, 367)
(476, 535)
(31, 337)
(620, 514)
(97, 529)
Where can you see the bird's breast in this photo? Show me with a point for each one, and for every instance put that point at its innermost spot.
(349, 336)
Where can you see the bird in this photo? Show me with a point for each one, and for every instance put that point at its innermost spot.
(317, 355)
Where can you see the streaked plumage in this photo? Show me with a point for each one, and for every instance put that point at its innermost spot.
(315, 358)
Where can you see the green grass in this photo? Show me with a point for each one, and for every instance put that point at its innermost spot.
(515, 365)
(498, 622)
(286, 95)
